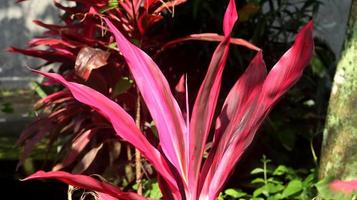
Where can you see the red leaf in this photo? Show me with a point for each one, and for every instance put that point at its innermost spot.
(31, 136)
(156, 92)
(206, 99)
(122, 122)
(211, 37)
(234, 115)
(290, 66)
(49, 42)
(87, 159)
(77, 146)
(52, 56)
(86, 182)
(283, 75)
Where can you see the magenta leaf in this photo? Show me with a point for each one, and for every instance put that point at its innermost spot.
(283, 75)
(86, 182)
(206, 99)
(122, 122)
(156, 92)
(243, 95)
(211, 37)
(290, 66)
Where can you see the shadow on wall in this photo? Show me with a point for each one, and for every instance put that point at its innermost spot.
(16, 29)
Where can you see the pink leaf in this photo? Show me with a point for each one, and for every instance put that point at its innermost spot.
(86, 182)
(212, 37)
(206, 99)
(243, 95)
(290, 66)
(181, 93)
(283, 75)
(156, 92)
(346, 187)
(122, 122)
(103, 196)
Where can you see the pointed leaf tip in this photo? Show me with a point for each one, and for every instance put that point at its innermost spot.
(230, 18)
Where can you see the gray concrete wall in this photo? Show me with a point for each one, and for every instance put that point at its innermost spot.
(16, 29)
(332, 23)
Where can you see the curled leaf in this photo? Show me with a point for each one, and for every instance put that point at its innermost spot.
(88, 59)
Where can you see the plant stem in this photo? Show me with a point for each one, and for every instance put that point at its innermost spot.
(138, 164)
(265, 170)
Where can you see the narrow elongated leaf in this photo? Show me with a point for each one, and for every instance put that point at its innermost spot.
(55, 56)
(283, 75)
(181, 93)
(49, 42)
(290, 66)
(206, 99)
(131, 7)
(87, 159)
(122, 122)
(211, 37)
(86, 182)
(157, 95)
(168, 5)
(78, 145)
(32, 136)
(244, 93)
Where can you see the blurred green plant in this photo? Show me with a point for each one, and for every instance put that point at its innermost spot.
(276, 183)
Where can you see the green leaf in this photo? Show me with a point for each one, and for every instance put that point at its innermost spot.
(113, 46)
(309, 181)
(258, 180)
(112, 4)
(235, 193)
(38, 89)
(257, 171)
(280, 170)
(123, 85)
(155, 192)
(293, 187)
(318, 67)
(7, 108)
(274, 188)
(259, 191)
(274, 181)
(220, 197)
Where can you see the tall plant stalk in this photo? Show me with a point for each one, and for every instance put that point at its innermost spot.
(138, 164)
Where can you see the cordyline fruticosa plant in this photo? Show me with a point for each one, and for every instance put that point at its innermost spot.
(182, 171)
(87, 54)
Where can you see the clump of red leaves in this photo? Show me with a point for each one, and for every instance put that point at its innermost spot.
(86, 53)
